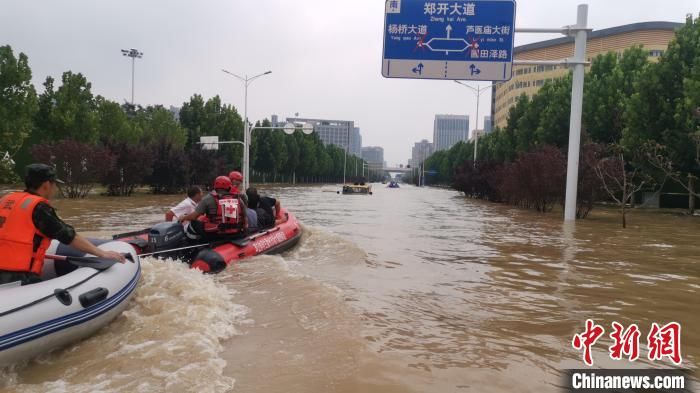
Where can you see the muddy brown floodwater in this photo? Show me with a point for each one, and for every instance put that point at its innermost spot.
(407, 290)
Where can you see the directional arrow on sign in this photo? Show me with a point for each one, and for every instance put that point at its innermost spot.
(449, 30)
(418, 69)
(474, 70)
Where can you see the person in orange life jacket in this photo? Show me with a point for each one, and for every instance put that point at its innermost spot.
(214, 213)
(194, 196)
(27, 225)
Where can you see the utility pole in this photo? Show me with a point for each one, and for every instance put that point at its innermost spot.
(134, 54)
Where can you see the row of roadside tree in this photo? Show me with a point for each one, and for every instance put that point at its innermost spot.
(92, 140)
(641, 132)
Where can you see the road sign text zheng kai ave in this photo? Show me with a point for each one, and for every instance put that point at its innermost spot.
(467, 40)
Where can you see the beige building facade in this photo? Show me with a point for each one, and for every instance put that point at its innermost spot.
(654, 37)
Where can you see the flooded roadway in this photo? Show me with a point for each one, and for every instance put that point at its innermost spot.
(407, 290)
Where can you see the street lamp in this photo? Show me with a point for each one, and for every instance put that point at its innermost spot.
(134, 54)
(246, 132)
(478, 98)
(208, 142)
(289, 128)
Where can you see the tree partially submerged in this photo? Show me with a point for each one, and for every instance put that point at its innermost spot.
(620, 179)
(79, 164)
(132, 163)
(534, 180)
(658, 157)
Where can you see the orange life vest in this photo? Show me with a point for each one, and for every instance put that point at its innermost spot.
(22, 246)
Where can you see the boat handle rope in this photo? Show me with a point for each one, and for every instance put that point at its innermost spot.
(22, 307)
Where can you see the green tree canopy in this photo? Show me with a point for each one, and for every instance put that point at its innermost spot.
(662, 108)
(68, 112)
(213, 118)
(18, 102)
(609, 85)
(158, 125)
(113, 123)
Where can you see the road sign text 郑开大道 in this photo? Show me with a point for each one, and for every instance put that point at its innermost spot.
(468, 40)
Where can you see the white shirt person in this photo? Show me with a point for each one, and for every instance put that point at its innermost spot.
(194, 195)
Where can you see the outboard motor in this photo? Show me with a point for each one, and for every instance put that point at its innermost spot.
(167, 236)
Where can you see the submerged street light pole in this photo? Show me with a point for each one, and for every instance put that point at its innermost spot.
(477, 91)
(134, 54)
(246, 129)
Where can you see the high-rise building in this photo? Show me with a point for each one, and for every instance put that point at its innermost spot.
(175, 111)
(356, 142)
(654, 37)
(374, 156)
(488, 127)
(448, 130)
(420, 152)
(341, 133)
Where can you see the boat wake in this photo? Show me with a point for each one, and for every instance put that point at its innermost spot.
(169, 339)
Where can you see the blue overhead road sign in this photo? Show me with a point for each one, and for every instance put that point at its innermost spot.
(467, 40)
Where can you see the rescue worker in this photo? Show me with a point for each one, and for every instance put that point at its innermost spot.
(251, 215)
(28, 223)
(236, 181)
(222, 216)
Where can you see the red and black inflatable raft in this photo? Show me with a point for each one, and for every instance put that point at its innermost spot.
(168, 240)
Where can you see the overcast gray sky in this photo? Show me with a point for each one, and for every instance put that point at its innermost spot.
(325, 55)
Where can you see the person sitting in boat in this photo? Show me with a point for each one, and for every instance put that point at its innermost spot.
(219, 213)
(194, 196)
(269, 210)
(28, 223)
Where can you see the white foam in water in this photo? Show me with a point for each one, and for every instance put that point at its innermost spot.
(168, 340)
(658, 245)
(318, 242)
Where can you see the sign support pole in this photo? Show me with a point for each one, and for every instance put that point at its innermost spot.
(576, 110)
(580, 31)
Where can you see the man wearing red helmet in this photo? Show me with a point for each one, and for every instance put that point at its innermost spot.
(236, 181)
(217, 206)
(237, 184)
